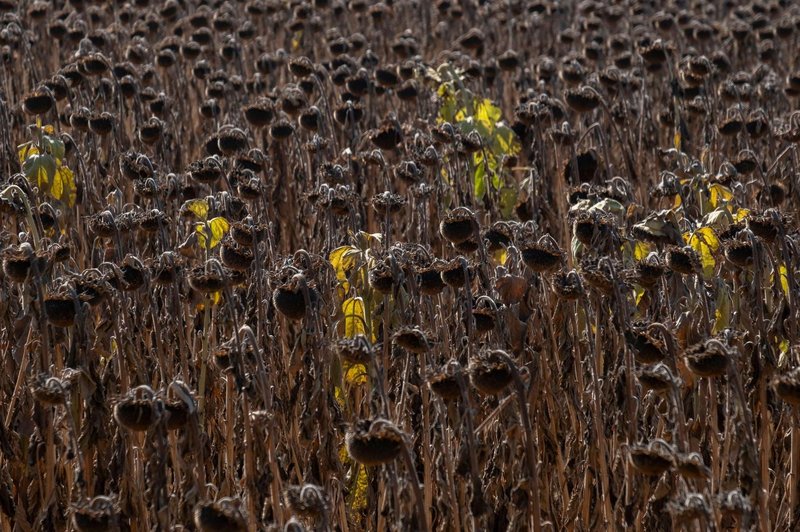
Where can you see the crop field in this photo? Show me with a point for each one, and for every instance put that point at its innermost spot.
(399, 265)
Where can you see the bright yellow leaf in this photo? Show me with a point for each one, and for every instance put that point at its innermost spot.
(357, 497)
(210, 233)
(198, 207)
(297, 40)
(343, 259)
(355, 374)
(640, 250)
(705, 242)
(741, 214)
(500, 256)
(63, 187)
(784, 278)
(25, 150)
(487, 114)
(718, 192)
(355, 322)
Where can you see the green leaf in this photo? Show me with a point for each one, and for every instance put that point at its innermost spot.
(40, 169)
(610, 206)
(210, 233)
(722, 314)
(198, 207)
(54, 146)
(506, 141)
(479, 177)
(508, 200)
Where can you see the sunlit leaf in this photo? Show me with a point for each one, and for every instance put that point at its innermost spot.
(297, 40)
(487, 113)
(783, 276)
(706, 243)
(640, 250)
(209, 234)
(25, 150)
(355, 374)
(63, 187)
(741, 214)
(198, 207)
(506, 140)
(500, 256)
(358, 501)
(344, 259)
(357, 496)
(718, 192)
(215, 298)
(364, 240)
(638, 294)
(676, 139)
(783, 349)
(355, 322)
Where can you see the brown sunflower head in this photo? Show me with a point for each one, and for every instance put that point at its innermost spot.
(138, 410)
(92, 515)
(223, 514)
(653, 458)
(708, 358)
(373, 442)
(491, 371)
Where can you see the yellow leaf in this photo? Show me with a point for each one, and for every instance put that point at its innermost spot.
(741, 214)
(784, 278)
(49, 129)
(638, 294)
(719, 192)
(487, 114)
(210, 233)
(198, 207)
(640, 250)
(63, 187)
(355, 374)
(357, 497)
(25, 150)
(706, 243)
(358, 501)
(676, 140)
(297, 39)
(500, 256)
(344, 259)
(355, 323)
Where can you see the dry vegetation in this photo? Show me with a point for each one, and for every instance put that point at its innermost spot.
(288, 265)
